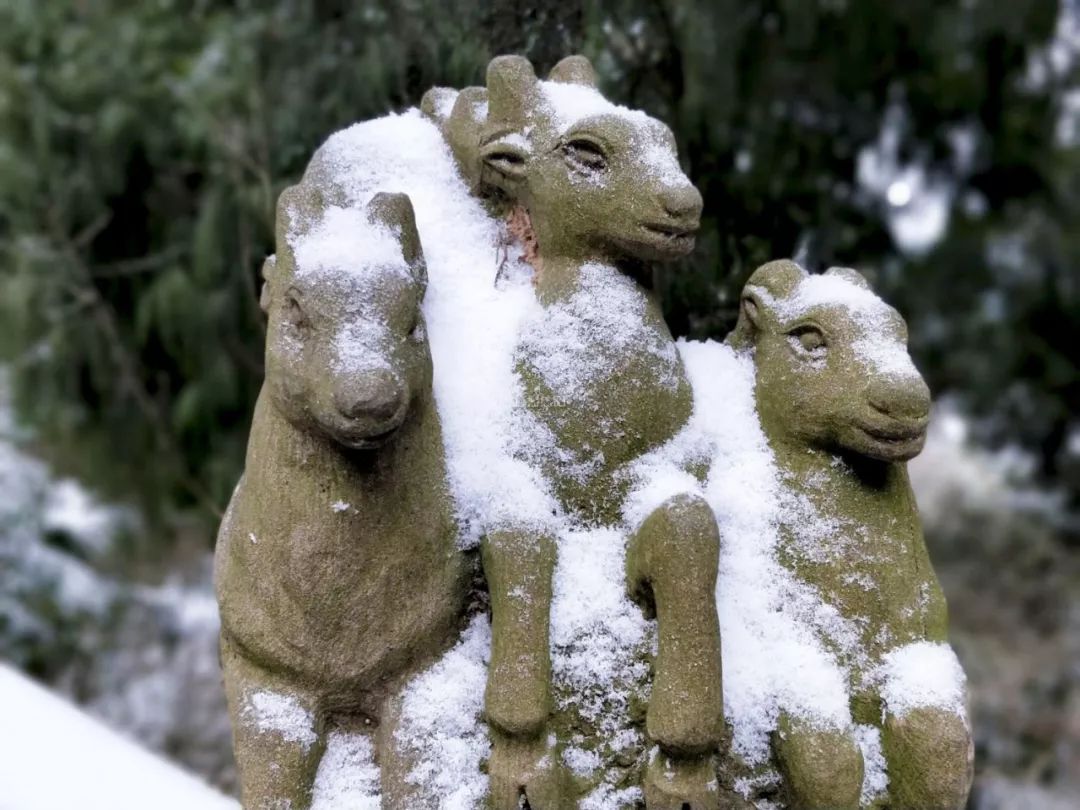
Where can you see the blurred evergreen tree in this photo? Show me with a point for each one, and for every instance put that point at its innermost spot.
(142, 146)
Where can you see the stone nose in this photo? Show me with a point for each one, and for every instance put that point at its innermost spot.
(901, 398)
(375, 394)
(682, 202)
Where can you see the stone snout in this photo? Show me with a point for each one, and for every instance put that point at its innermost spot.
(374, 405)
(898, 415)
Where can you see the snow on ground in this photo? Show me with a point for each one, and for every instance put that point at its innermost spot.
(141, 658)
(54, 757)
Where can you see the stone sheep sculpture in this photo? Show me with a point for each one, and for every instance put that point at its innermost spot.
(843, 408)
(344, 569)
(596, 192)
(344, 488)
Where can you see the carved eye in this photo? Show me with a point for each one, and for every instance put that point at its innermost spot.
(294, 311)
(808, 339)
(585, 154)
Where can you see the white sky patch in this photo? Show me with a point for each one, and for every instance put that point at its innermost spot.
(348, 778)
(918, 205)
(279, 713)
(923, 674)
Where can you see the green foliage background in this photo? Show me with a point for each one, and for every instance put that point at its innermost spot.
(142, 146)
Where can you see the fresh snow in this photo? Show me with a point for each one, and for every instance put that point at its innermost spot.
(920, 675)
(482, 318)
(280, 714)
(54, 757)
(472, 322)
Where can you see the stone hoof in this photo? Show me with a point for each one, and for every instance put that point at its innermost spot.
(682, 784)
(930, 755)
(526, 768)
(681, 726)
(822, 768)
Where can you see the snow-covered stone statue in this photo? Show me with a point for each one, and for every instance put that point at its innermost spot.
(842, 408)
(337, 567)
(495, 522)
(597, 191)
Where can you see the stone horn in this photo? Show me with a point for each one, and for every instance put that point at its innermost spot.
(511, 86)
(396, 212)
(574, 70)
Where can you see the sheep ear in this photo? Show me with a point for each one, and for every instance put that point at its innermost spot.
(462, 129)
(505, 162)
(396, 212)
(574, 70)
(779, 278)
(267, 276)
(851, 275)
(298, 208)
(749, 324)
(437, 103)
(511, 86)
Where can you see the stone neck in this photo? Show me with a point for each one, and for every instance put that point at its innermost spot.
(815, 470)
(559, 276)
(305, 447)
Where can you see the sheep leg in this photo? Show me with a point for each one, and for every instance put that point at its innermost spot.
(278, 735)
(822, 768)
(672, 564)
(929, 757)
(518, 566)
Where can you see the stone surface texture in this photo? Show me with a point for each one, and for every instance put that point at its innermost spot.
(395, 635)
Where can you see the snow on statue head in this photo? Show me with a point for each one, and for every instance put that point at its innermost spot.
(834, 370)
(600, 182)
(344, 489)
(345, 348)
(843, 408)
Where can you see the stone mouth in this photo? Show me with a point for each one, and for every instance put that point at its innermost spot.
(363, 437)
(897, 431)
(899, 441)
(674, 236)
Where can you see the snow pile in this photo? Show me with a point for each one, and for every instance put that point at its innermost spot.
(472, 323)
(920, 675)
(875, 778)
(348, 776)
(281, 714)
(567, 104)
(774, 660)
(653, 147)
(330, 247)
(600, 642)
(559, 341)
(440, 723)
